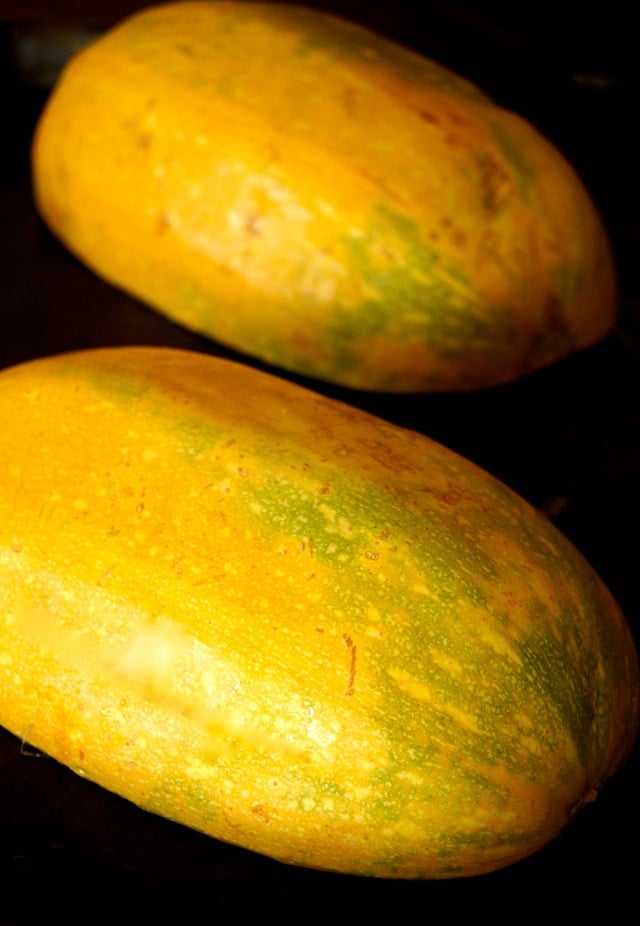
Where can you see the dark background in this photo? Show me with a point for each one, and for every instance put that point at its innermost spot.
(567, 439)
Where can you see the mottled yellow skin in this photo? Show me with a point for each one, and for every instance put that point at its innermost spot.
(314, 195)
(294, 626)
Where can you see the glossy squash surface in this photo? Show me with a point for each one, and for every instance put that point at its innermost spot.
(294, 626)
(316, 196)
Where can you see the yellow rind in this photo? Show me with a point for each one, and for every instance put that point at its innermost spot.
(293, 626)
(356, 214)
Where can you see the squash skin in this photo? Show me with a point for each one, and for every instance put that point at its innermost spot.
(399, 232)
(293, 626)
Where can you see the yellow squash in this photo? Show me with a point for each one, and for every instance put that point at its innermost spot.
(316, 196)
(293, 626)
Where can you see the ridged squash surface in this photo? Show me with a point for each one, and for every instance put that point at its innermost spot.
(314, 195)
(293, 626)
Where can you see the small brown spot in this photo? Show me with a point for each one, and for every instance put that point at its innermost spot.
(453, 140)
(495, 183)
(106, 575)
(453, 232)
(259, 811)
(163, 223)
(253, 224)
(145, 140)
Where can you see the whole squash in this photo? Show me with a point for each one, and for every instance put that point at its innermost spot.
(316, 196)
(293, 626)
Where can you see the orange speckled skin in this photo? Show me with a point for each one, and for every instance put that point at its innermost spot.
(312, 194)
(293, 626)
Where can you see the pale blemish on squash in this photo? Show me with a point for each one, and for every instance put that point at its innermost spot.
(417, 689)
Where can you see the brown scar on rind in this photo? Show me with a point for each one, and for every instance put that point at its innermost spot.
(351, 678)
